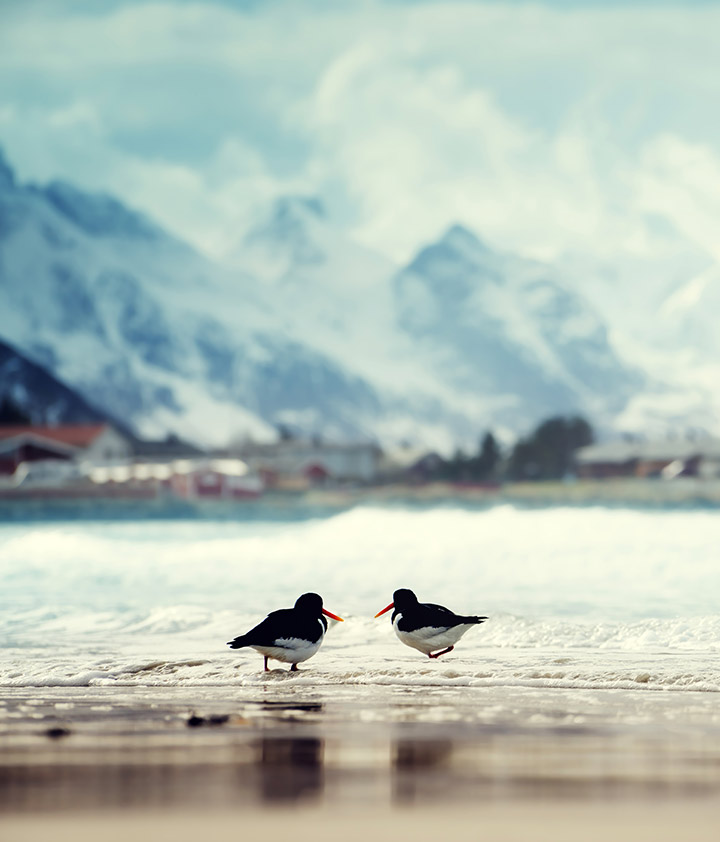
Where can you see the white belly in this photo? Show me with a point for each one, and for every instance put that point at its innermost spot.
(290, 650)
(430, 638)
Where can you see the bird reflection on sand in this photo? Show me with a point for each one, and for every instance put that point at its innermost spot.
(417, 766)
(291, 768)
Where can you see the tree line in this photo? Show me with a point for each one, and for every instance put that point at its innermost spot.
(545, 454)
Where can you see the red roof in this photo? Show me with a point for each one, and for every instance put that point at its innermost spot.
(80, 435)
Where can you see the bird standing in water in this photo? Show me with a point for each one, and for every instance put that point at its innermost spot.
(425, 626)
(290, 635)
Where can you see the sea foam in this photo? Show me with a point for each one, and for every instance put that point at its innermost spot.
(595, 597)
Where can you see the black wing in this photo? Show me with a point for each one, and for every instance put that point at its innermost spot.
(284, 623)
(472, 618)
(427, 614)
(440, 608)
(264, 633)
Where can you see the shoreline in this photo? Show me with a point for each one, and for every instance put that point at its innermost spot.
(319, 502)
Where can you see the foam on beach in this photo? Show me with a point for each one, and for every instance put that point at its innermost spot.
(577, 598)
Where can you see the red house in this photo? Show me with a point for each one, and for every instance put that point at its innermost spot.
(93, 442)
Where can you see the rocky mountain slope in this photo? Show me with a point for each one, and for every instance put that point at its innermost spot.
(150, 331)
(301, 326)
(28, 388)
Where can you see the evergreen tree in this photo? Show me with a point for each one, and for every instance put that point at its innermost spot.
(548, 452)
(487, 461)
(456, 467)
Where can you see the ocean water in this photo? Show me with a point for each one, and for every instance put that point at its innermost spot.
(578, 599)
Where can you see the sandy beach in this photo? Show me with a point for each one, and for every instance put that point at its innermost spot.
(83, 762)
(585, 707)
(555, 822)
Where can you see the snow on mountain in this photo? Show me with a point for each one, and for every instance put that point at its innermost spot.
(461, 339)
(338, 297)
(505, 327)
(660, 297)
(98, 214)
(41, 397)
(151, 331)
(302, 326)
(690, 309)
(683, 352)
(326, 290)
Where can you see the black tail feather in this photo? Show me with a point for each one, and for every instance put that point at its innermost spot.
(476, 619)
(239, 642)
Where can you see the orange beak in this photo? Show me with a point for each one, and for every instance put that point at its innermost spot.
(392, 605)
(333, 616)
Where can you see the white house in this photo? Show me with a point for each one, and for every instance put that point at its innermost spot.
(353, 462)
(96, 443)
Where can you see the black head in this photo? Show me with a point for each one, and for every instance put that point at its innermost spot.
(310, 603)
(404, 598)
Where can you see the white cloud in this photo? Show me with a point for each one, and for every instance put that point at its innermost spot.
(207, 206)
(420, 148)
(681, 180)
(422, 138)
(544, 129)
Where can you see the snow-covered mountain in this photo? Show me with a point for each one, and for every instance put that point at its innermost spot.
(335, 296)
(469, 337)
(304, 327)
(505, 327)
(325, 289)
(152, 332)
(660, 298)
(39, 396)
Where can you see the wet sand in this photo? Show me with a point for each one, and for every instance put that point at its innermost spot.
(86, 762)
(537, 821)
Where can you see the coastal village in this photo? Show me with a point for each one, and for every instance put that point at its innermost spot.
(99, 460)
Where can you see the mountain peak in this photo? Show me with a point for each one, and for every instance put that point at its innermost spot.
(456, 254)
(298, 208)
(463, 239)
(291, 229)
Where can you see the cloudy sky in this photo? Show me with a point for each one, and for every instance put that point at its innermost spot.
(548, 127)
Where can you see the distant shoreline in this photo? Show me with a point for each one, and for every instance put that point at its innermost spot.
(323, 502)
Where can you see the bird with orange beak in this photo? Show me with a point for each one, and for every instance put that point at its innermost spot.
(425, 626)
(290, 635)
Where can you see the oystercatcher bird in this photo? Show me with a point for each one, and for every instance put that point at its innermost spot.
(425, 626)
(290, 635)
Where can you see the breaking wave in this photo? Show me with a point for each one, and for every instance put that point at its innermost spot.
(577, 598)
